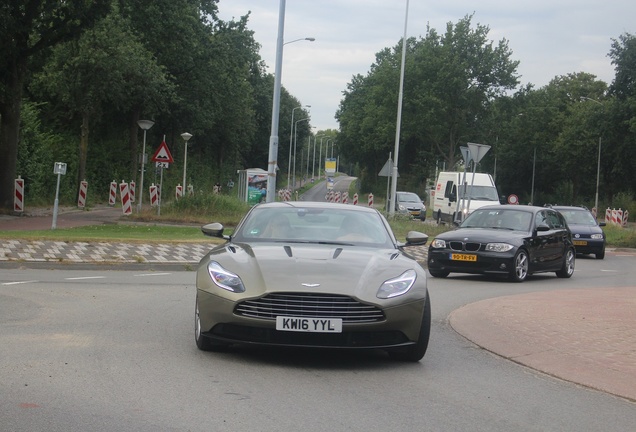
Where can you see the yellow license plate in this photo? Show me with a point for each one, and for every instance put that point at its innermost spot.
(463, 257)
(579, 242)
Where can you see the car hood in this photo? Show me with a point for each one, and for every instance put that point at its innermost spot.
(584, 229)
(283, 267)
(484, 235)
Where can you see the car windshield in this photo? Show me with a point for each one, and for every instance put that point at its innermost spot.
(481, 193)
(578, 217)
(313, 225)
(408, 197)
(513, 220)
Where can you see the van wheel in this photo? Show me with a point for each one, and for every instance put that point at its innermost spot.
(439, 217)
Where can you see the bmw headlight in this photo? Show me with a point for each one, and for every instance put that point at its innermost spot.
(597, 236)
(438, 243)
(224, 278)
(498, 247)
(397, 286)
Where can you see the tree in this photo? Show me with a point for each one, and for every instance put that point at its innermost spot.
(28, 29)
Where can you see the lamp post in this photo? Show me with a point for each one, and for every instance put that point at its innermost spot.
(295, 140)
(291, 134)
(598, 162)
(145, 125)
(313, 163)
(394, 174)
(310, 39)
(186, 137)
(534, 162)
(273, 139)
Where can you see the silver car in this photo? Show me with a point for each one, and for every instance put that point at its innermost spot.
(309, 274)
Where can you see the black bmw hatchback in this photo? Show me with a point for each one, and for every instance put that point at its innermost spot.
(511, 240)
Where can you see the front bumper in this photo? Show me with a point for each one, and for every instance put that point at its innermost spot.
(401, 327)
(498, 263)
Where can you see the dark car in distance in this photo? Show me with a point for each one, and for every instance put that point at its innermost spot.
(511, 240)
(587, 235)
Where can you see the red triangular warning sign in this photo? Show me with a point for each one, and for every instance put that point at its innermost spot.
(163, 154)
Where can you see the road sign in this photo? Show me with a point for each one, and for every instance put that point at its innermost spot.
(162, 165)
(163, 154)
(513, 199)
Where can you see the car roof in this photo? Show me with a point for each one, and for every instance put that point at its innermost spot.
(520, 207)
(317, 205)
(566, 207)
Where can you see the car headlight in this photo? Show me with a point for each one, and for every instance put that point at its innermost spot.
(438, 243)
(498, 247)
(225, 279)
(397, 286)
(401, 207)
(597, 236)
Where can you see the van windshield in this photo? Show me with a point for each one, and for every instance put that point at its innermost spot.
(481, 193)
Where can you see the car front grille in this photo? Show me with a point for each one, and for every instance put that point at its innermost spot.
(309, 305)
(465, 246)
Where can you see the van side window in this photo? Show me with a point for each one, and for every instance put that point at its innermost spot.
(450, 189)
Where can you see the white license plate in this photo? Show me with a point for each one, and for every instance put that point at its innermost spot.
(316, 325)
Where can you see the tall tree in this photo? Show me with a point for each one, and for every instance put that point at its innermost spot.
(27, 29)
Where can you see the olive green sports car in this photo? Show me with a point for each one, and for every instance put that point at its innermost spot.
(308, 274)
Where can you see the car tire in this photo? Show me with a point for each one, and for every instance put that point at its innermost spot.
(601, 254)
(415, 353)
(520, 266)
(439, 217)
(422, 215)
(438, 273)
(567, 269)
(203, 343)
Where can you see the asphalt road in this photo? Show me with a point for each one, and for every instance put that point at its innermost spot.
(106, 350)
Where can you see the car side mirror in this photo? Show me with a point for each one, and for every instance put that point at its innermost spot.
(543, 228)
(452, 197)
(416, 238)
(213, 230)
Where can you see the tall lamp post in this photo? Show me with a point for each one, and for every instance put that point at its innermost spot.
(295, 140)
(394, 174)
(145, 125)
(273, 139)
(186, 137)
(291, 135)
(313, 162)
(598, 163)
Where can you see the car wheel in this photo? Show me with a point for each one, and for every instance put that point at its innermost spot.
(422, 216)
(414, 353)
(439, 217)
(601, 254)
(567, 270)
(438, 273)
(203, 343)
(520, 266)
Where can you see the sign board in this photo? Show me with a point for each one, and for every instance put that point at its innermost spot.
(513, 199)
(162, 165)
(330, 166)
(59, 168)
(387, 169)
(163, 154)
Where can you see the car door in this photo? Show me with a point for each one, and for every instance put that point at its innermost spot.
(556, 239)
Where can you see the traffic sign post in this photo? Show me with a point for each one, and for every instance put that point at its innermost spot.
(162, 159)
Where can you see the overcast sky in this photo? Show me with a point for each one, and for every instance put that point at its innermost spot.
(548, 38)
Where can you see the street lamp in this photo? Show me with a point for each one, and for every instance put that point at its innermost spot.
(310, 39)
(273, 138)
(295, 139)
(291, 134)
(145, 125)
(598, 163)
(313, 163)
(186, 137)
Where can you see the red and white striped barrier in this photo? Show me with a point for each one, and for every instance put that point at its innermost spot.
(345, 198)
(81, 197)
(190, 190)
(112, 196)
(154, 197)
(355, 199)
(126, 205)
(370, 200)
(616, 217)
(132, 189)
(18, 195)
(178, 191)
(336, 197)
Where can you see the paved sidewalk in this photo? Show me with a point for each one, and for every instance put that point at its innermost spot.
(583, 336)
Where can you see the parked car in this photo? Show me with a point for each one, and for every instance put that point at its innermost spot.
(312, 274)
(587, 235)
(511, 240)
(410, 203)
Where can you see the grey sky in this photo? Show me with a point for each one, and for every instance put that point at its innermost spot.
(549, 38)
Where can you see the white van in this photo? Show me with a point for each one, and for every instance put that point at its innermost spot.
(452, 202)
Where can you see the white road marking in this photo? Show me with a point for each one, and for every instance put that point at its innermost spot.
(86, 277)
(20, 282)
(152, 274)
